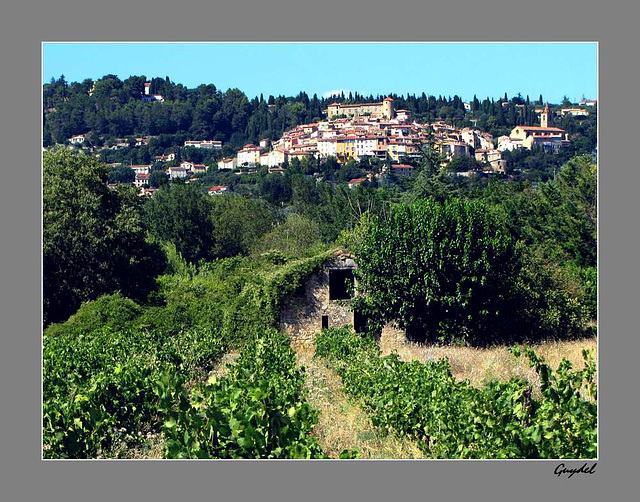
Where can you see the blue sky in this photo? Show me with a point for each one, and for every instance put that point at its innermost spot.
(465, 69)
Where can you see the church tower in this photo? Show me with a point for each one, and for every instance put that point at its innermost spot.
(546, 118)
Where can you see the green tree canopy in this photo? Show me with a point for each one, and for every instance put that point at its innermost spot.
(180, 214)
(93, 237)
(239, 222)
(121, 174)
(441, 270)
(297, 236)
(158, 179)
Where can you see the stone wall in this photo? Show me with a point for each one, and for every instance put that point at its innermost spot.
(301, 314)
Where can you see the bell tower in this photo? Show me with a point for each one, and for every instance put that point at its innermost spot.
(546, 118)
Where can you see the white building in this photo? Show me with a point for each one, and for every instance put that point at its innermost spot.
(142, 169)
(367, 145)
(249, 155)
(177, 173)
(452, 149)
(141, 179)
(327, 147)
(506, 143)
(209, 145)
(273, 158)
(227, 164)
(574, 112)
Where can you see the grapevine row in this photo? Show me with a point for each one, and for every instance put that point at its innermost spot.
(452, 419)
(259, 410)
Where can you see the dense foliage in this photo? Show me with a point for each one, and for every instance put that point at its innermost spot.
(93, 237)
(103, 368)
(557, 222)
(451, 271)
(99, 373)
(558, 217)
(258, 410)
(180, 214)
(452, 419)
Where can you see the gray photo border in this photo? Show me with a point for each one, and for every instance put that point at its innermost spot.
(24, 25)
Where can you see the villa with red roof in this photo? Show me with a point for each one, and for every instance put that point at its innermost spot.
(356, 181)
(217, 190)
(249, 155)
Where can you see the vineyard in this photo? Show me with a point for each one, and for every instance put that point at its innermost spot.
(451, 419)
(117, 374)
(117, 370)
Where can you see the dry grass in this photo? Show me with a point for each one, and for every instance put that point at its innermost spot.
(342, 424)
(480, 365)
(222, 368)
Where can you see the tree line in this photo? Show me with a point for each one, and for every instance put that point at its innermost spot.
(534, 244)
(113, 108)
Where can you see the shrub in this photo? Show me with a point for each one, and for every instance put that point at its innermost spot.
(443, 271)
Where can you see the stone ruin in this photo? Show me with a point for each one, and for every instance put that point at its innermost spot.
(323, 302)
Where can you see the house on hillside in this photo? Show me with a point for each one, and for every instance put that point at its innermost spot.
(356, 181)
(227, 164)
(323, 301)
(206, 144)
(141, 169)
(402, 169)
(217, 190)
(141, 179)
(177, 172)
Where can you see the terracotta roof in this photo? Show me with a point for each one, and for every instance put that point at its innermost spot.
(538, 128)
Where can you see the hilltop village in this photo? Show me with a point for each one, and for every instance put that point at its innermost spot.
(351, 133)
(354, 132)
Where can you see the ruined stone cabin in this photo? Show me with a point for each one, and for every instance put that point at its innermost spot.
(323, 301)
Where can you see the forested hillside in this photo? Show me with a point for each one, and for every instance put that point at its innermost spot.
(112, 108)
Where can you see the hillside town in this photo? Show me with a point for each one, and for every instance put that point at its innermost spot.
(357, 132)
(354, 132)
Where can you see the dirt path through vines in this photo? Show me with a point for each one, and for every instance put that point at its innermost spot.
(342, 423)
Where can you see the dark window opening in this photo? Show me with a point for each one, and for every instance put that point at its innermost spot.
(340, 283)
(360, 322)
(325, 322)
